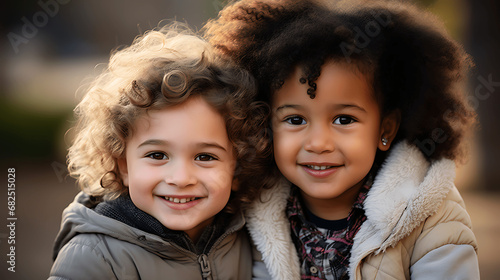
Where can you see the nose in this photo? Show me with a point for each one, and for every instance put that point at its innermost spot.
(180, 174)
(319, 139)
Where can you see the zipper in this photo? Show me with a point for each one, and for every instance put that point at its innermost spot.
(202, 259)
(228, 232)
(206, 271)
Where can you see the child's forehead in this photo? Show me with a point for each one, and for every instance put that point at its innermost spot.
(357, 67)
(333, 69)
(188, 111)
(340, 85)
(184, 109)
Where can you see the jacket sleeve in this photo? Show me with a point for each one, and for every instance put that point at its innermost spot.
(447, 262)
(80, 260)
(446, 247)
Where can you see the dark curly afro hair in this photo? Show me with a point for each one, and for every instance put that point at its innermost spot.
(413, 64)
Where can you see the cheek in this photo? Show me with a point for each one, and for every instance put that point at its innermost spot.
(219, 186)
(137, 172)
(219, 180)
(280, 145)
(366, 139)
(142, 179)
(360, 150)
(140, 195)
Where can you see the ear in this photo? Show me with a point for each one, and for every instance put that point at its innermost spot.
(389, 129)
(122, 167)
(235, 185)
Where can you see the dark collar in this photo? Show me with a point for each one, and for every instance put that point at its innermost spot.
(124, 210)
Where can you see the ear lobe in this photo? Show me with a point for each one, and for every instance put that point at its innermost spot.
(235, 185)
(122, 167)
(389, 129)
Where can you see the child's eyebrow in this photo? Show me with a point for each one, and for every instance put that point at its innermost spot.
(158, 142)
(210, 145)
(336, 106)
(152, 142)
(282, 107)
(354, 106)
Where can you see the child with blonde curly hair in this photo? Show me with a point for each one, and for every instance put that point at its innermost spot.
(167, 141)
(368, 119)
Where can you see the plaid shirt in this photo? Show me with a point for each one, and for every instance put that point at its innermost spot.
(324, 253)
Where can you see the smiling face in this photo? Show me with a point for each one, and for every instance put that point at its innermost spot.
(326, 145)
(179, 165)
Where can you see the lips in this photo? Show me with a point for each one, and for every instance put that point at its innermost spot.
(319, 167)
(320, 170)
(180, 200)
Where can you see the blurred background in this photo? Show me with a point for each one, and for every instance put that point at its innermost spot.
(50, 48)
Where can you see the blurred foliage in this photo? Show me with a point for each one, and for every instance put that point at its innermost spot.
(452, 12)
(28, 134)
(426, 2)
(31, 134)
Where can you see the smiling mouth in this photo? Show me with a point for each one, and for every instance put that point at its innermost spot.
(319, 167)
(180, 200)
(321, 170)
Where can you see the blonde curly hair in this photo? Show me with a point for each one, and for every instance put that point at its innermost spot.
(163, 68)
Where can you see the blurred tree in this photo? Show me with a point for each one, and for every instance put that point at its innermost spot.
(483, 43)
(475, 23)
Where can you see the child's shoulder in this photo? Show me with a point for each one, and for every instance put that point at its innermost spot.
(412, 197)
(452, 215)
(83, 257)
(101, 256)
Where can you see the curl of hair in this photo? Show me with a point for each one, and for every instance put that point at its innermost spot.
(163, 68)
(413, 64)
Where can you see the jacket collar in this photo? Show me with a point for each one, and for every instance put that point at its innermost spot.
(270, 231)
(79, 217)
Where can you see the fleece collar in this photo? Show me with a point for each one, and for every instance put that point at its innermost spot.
(406, 190)
(269, 228)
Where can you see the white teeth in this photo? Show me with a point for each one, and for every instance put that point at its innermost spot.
(179, 200)
(317, 167)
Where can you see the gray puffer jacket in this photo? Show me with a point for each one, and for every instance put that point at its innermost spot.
(94, 246)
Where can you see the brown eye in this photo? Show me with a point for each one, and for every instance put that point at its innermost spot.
(157, 156)
(295, 120)
(205, 157)
(344, 120)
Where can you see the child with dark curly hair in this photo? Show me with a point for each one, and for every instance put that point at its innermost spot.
(368, 118)
(168, 138)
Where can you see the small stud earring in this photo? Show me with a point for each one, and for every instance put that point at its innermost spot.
(385, 141)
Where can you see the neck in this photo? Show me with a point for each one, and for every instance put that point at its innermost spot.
(336, 208)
